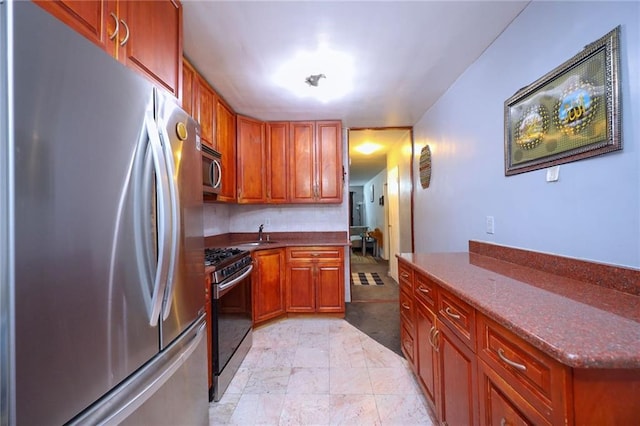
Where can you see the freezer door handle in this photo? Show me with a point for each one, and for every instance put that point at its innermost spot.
(174, 197)
(129, 395)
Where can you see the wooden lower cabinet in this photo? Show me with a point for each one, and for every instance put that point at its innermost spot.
(315, 279)
(457, 379)
(473, 371)
(427, 357)
(268, 285)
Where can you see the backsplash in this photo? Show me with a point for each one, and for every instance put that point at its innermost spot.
(216, 219)
(222, 218)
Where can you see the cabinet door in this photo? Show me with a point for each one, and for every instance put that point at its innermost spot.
(206, 112)
(188, 83)
(300, 294)
(329, 287)
(301, 163)
(268, 285)
(153, 45)
(85, 17)
(277, 162)
(426, 360)
(457, 379)
(226, 140)
(251, 161)
(328, 162)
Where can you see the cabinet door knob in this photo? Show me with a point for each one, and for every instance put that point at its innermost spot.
(452, 314)
(514, 364)
(115, 31)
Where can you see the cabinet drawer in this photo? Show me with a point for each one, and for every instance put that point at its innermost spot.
(540, 379)
(405, 277)
(458, 315)
(314, 253)
(425, 290)
(406, 309)
(501, 405)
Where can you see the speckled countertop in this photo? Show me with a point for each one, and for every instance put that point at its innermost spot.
(276, 240)
(580, 324)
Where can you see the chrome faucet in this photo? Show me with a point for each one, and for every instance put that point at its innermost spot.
(260, 231)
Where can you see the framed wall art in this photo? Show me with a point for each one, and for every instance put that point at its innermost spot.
(571, 113)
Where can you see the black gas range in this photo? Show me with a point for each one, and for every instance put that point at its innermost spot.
(231, 318)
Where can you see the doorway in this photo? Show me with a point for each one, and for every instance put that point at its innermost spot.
(380, 180)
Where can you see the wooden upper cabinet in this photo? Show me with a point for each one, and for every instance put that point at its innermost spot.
(188, 87)
(144, 35)
(277, 162)
(251, 155)
(315, 153)
(301, 159)
(329, 172)
(205, 115)
(86, 17)
(153, 40)
(226, 141)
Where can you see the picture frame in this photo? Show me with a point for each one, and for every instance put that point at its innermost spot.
(571, 113)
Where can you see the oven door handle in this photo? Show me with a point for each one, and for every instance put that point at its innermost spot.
(220, 290)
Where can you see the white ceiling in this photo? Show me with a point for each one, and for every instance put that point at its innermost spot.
(407, 53)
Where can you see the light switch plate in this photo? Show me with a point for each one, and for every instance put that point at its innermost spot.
(553, 173)
(490, 225)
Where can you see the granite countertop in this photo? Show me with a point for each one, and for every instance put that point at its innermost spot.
(580, 324)
(278, 240)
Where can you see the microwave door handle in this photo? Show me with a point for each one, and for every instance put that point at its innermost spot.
(174, 217)
(211, 172)
(217, 165)
(163, 210)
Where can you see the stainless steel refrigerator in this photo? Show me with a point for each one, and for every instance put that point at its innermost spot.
(101, 237)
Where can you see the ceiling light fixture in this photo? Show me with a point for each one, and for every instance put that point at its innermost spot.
(338, 65)
(368, 148)
(313, 80)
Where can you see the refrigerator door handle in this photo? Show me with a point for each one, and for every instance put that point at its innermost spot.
(163, 220)
(174, 198)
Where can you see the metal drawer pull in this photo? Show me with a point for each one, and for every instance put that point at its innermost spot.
(404, 275)
(451, 313)
(503, 422)
(423, 290)
(511, 363)
(407, 307)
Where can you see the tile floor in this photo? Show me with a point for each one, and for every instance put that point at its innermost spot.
(320, 371)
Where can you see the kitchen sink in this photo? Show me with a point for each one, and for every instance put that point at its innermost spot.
(256, 243)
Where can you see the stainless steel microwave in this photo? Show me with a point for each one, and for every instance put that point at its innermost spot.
(211, 171)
